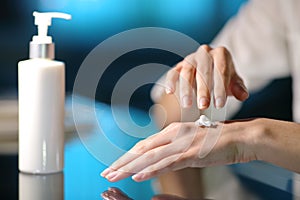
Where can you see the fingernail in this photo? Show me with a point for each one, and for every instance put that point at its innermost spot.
(186, 101)
(138, 177)
(219, 102)
(112, 175)
(245, 94)
(105, 172)
(168, 90)
(203, 102)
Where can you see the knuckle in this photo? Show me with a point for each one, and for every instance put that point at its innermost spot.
(140, 146)
(205, 47)
(223, 50)
(150, 155)
(187, 66)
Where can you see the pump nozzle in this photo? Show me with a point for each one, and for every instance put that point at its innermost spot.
(43, 20)
(41, 45)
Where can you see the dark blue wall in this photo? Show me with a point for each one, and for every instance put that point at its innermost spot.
(95, 20)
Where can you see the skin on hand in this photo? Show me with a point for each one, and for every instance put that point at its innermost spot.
(206, 70)
(183, 145)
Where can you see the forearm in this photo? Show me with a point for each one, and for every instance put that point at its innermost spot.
(178, 182)
(277, 142)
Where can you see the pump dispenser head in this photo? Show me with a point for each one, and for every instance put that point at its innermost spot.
(41, 45)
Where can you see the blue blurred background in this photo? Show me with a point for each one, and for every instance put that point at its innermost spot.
(93, 21)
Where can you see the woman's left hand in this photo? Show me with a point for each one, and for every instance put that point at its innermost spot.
(182, 145)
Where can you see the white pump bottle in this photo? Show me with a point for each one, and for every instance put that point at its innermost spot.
(41, 82)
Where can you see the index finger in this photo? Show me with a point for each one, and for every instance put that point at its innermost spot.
(141, 147)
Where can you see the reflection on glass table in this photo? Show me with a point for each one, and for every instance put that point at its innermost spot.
(34, 187)
(81, 176)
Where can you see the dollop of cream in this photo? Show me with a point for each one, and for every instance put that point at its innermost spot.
(204, 121)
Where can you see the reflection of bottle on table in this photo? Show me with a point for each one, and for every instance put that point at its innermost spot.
(37, 187)
(41, 103)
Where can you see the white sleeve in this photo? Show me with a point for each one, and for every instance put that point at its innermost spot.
(256, 39)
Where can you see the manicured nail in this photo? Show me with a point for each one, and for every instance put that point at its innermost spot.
(168, 90)
(112, 175)
(203, 102)
(219, 102)
(138, 177)
(244, 87)
(245, 94)
(186, 101)
(105, 172)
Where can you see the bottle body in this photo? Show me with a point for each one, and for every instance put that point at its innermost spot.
(41, 115)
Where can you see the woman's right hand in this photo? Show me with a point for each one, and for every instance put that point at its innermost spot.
(208, 70)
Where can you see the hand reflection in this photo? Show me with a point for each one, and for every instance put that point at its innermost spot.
(167, 197)
(116, 194)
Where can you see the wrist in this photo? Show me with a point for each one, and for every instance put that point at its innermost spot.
(259, 137)
(251, 139)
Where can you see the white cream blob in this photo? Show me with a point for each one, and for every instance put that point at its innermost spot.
(204, 121)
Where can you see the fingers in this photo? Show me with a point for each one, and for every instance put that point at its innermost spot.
(222, 75)
(184, 74)
(186, 82)
(168, 163)
(203, 76)
(171, 79)
(154, 141)
(155, 153)
(138, 150)
(213, 70)
(142, 162)
(162, 152)
(225, 79)
(158, 89)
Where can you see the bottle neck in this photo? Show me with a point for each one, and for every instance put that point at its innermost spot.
(37, 50)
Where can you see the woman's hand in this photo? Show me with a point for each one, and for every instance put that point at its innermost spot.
(208, 70)
(182, 145)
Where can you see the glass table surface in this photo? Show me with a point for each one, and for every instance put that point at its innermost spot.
(95, 135)
(81, 178)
